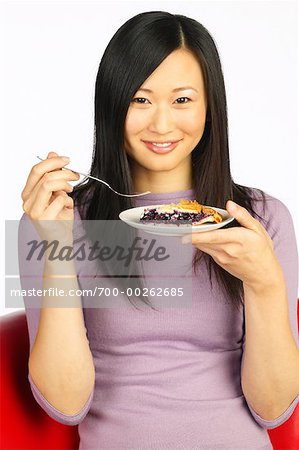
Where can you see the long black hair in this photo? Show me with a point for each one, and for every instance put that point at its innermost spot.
(137, 48)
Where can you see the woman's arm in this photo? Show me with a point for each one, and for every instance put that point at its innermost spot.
(270, 371)
(266, 261)
(61, 363)
(61, 371)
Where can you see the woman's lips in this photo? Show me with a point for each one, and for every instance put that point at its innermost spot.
(165, 149)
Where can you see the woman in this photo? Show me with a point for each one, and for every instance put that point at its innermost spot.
(176, 378)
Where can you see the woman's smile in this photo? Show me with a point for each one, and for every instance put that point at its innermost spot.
(161, 147)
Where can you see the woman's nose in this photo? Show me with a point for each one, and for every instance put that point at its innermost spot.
(161, 121)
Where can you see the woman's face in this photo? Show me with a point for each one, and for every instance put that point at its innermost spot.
(169, 106)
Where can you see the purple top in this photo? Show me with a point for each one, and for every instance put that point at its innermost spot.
(172, 380)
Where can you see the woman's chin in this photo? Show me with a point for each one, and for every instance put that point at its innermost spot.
(159, 166)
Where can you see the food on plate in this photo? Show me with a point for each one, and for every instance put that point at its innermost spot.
(184, 212)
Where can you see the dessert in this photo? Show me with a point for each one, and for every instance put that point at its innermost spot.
(184, 212)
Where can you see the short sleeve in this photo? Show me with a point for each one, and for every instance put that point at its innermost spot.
(30, 272)
(279, 225)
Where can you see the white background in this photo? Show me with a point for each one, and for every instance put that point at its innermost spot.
(50, 53)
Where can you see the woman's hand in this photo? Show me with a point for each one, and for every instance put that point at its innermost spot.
(246, 252)
(46, 200)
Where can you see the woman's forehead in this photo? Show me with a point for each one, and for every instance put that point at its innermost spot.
(179, 69)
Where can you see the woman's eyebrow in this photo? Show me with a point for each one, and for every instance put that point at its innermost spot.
(174, 90)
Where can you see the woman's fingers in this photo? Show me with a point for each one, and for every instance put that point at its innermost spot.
(54, 209)
(52, 154)
(36, 208)
(45, 182)
(39, 170)
(60, 202)
(67, 175)
(45, 198)
(69, 203)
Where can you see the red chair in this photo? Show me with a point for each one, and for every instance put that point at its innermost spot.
(24, 424)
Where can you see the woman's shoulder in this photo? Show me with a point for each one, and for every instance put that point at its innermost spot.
(271, 211)
(271, 204)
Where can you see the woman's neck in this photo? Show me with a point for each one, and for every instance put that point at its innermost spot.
(161, 181)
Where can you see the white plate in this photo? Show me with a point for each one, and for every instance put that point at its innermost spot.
(132, 216)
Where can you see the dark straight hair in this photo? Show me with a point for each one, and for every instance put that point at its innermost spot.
(137, 48)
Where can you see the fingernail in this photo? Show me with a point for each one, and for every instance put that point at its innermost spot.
(187, 239)
(66, 158)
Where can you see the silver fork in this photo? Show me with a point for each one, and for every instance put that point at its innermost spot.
(101, 181)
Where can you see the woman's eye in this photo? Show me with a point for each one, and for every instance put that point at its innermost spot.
(142, 100)
(135, 100)
(183, 98)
